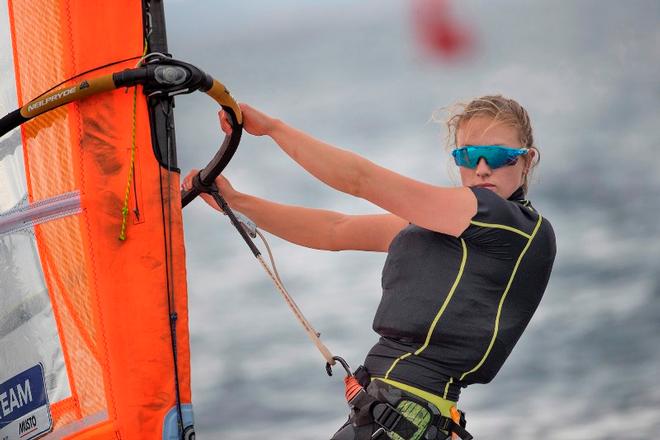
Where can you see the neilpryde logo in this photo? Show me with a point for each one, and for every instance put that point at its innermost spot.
(52, 98)
(24, 409)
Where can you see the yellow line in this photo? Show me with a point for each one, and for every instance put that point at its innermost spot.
(387, 375)
(444, 305)
(499, 308)
(451, 380)
(438, 315)
(505, 227)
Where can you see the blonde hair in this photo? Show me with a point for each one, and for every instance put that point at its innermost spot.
(501, 109)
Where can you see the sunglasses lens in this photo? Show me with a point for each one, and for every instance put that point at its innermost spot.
(498, 160)
(469, 160)
(496, 156)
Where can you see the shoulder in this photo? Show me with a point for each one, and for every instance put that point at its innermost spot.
(499, 220)
(496, 212)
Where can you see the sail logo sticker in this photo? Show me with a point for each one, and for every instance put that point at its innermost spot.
(24, 408)
(52, 98)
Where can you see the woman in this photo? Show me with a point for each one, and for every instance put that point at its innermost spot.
(465, 271)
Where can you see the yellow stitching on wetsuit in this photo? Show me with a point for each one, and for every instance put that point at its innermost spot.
(438, 315)
(494, 225)
(444, 305)
(451, 380)
(396, 361)
(499, 308)
(528, 206)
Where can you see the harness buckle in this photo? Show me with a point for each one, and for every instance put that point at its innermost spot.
(386, 416)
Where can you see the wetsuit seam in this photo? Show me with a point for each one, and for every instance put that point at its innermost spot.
(498, 226)
(438, 315)
(451, 380)
(502, 299)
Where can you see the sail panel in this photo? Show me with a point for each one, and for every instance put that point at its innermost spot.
(111, 302)
(29, 334)
(28, 331)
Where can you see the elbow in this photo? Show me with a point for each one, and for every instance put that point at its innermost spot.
(357, 181)
(334, 240)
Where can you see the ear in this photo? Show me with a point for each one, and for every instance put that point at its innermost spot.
(532, 158)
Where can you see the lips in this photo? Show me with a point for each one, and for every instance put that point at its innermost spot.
(485, 185)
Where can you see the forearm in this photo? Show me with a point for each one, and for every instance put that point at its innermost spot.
(343, 170)
(307, 227)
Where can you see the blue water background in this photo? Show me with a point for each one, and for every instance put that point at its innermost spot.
(350, 73)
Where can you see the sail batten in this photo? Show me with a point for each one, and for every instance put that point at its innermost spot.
(27, 216)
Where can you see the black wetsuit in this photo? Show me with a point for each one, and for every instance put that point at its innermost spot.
(453, 308)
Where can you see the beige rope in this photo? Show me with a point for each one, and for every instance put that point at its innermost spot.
(313, 334)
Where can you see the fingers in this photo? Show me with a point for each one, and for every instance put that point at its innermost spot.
(187, 185)
(224, 122)
(187, 181)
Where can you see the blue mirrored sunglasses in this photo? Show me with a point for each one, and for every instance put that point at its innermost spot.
(496, 156)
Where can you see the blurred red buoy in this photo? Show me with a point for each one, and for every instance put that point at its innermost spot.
(438, 32)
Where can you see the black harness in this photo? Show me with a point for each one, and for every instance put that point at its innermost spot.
(368, 410)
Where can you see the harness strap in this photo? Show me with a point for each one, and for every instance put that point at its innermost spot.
(391, 420)
(460, 431)
(447, 424)
(368, 410)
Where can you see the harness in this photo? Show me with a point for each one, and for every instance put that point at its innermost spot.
(398, 414)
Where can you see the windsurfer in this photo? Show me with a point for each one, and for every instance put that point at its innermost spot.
(466, 266)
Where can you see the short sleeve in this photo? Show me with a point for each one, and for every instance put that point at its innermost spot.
(500, 226)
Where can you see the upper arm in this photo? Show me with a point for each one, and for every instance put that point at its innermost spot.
(366, 232)
(441, 209)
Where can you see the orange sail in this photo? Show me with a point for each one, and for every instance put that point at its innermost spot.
(93, 329)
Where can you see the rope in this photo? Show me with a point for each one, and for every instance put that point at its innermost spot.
(131, 171)
(275, 277)
(124, 210)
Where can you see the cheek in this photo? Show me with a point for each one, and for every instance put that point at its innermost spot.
(466, 173)
(513, 173)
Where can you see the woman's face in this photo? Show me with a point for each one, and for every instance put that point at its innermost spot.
(484, 130)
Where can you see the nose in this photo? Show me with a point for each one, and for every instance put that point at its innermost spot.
(483, 169)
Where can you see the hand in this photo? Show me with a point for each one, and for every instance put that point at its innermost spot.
(224, 187)
(254, 122)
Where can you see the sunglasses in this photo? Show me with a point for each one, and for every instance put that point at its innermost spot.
(496, 156)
